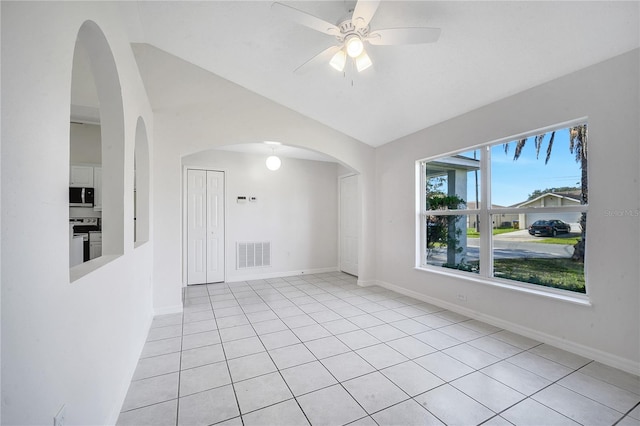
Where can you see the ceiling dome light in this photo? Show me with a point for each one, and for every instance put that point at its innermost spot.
(354, 44)
(339, 60)
(273, 163)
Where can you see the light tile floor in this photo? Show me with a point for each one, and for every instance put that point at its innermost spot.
(319, 349)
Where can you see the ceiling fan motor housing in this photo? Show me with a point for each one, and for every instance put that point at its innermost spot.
(347, 28)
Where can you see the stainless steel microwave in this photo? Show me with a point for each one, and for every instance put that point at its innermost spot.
(81, 197)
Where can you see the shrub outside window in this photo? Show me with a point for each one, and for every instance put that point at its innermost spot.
(530, 192)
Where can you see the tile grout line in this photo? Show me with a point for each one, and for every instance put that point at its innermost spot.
(317, 360)
(293, 396)
(267, 289)
(180, 363)
(351, 350)
(339, 382)
(226, 361)
(628, 413)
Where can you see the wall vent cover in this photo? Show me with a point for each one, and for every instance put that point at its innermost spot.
(253, 255)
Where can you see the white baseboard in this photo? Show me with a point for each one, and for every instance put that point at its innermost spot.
(175, 309)
(367, 283)
(268, 275)
(585, 351)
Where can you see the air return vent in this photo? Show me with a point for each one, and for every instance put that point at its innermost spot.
(254, 255)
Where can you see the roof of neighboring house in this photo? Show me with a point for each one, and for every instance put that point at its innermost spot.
(571, 196)
(471, 205)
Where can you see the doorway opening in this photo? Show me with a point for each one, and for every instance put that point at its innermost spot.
(349, 224)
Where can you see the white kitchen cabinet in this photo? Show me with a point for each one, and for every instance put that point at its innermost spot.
(97, 188)
(76, 250)
(95, 245)
(81, 176)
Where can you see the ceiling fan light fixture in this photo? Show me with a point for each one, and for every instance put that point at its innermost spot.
(339, 60)
(363, 62)
(354, 46)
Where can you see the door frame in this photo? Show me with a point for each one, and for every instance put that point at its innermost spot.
(358, 215)
(183, 218)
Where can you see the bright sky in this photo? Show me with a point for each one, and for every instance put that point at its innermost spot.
(513, 181)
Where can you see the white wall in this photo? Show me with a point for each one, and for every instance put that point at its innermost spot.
(216, 112)
(77, 344)
(296, 210)
(62, 343)
(0, 229)
(608, 95)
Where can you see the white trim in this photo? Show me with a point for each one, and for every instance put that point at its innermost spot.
(606, 358)
(367, 283)
(546, 129)
(281, 274)
(358, 213)
(485, 219)
(579, 208)
(184, 212)
(175, 309)
(82, 270)
(535, 289)
(487, 211)
(555, 209)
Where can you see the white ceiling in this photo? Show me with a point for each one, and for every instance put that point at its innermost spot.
(487, 51)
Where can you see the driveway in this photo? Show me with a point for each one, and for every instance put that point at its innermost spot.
(521, 235)
(521, 244)
(513, 245)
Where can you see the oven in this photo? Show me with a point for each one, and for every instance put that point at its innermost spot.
(83, 227)
(85, 244)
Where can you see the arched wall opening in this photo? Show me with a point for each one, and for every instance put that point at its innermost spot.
(141, 185)
(295, 209)
(108, 114)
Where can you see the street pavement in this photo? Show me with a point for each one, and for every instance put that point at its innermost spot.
(512, 245)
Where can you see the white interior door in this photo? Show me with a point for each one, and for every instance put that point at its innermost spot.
(349, 224)
(215, 226)
(205, 226)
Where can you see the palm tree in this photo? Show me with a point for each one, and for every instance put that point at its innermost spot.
(578, 147)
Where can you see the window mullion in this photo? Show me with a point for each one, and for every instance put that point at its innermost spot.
(486, 252)
(421, 249)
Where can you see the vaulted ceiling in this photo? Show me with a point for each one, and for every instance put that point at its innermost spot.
(486, 51)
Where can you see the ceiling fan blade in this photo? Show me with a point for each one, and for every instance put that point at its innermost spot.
(322, 57)
(363, 12)
(305, 19)
(404, 36)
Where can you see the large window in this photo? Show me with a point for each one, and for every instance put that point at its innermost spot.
(513, 211)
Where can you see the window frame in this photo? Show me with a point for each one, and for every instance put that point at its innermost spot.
(485, 211)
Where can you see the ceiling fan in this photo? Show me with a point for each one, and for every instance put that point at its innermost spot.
(352, 32)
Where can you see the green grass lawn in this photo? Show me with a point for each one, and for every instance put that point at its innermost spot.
(559, 273)
(567, 240)
(471, 233)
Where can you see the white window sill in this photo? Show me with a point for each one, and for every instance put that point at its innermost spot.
(139, 243)
(548, 292)
(84, 269)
